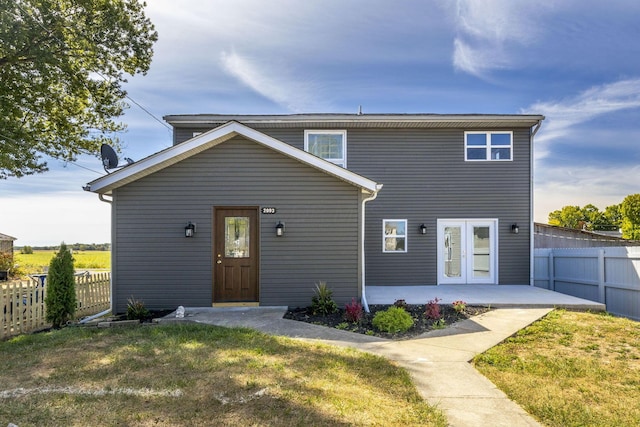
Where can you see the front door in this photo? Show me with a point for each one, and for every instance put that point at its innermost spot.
(467, 251)
(235, 277)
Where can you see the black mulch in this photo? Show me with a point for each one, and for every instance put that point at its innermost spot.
(421, 323)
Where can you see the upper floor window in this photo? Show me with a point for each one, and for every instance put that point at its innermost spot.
(330, 145)
(488, 146)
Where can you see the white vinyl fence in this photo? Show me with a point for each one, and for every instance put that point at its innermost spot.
(607, 275)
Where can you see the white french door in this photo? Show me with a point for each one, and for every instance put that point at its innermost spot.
(467, 251)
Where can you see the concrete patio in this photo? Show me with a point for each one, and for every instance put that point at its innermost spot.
(485, 295)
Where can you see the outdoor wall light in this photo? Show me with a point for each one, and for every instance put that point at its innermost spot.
(279, 229)
(423, 229)
(190, 230)
(515, 229)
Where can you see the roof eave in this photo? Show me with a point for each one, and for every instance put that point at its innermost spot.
(377, 120)
(202, 142)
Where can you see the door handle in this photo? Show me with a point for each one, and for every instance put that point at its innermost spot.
(219, 262)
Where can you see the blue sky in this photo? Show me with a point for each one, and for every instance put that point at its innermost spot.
(576, 62)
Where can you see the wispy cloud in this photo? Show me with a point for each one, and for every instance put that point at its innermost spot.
(277, 85)
(478, 60)
(487, 31)
(562, 116)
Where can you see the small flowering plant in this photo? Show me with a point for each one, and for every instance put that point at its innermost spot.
(459, 306)
(354, 311)
(432, 309)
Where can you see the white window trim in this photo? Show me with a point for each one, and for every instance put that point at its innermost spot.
(340, 162)
(488, 147)
(405, 236)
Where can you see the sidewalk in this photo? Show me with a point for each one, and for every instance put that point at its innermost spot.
(437, 361)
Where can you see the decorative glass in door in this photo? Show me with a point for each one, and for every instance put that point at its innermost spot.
(236, 237)
(452, 251)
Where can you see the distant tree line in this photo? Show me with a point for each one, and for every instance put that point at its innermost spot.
(75, 247)
(624, 216)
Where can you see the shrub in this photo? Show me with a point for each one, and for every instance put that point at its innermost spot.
(439, 324)
(433, 309)
(6, 261)
(26, 250)
(61, 293)
(459, 306)
(342, 326)
(136, 309)
(353, 312)
(322, 302)
(401, 303)
(392, 320)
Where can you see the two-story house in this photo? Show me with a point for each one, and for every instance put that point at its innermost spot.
(256, 209)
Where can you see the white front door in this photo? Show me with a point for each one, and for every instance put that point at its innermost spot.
(467, 251)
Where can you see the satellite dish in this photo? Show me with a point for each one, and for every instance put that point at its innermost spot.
(109, 157)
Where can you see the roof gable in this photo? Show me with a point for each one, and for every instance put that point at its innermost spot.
(207, 140)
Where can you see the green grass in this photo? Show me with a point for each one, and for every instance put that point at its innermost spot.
(571, 369)
(190, 374)
(36, 262)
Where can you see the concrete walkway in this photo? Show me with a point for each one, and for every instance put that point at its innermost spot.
(438, 361)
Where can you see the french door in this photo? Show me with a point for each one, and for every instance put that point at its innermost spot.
(467, 251)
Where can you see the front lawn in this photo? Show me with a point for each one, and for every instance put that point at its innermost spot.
(571, 369)
(188, 374)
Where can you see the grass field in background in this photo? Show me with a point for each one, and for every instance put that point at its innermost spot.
(84, 260)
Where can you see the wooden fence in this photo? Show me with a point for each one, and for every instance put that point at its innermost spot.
(23, 308)
(93, 294)
(607, 275)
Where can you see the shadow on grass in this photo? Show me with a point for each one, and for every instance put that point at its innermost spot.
(224, 376)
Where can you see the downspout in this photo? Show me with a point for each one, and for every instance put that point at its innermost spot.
(101, 197)
(95, 316)
(365, 305)
(110, 201)
(532, 265)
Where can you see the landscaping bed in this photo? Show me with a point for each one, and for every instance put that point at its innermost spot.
(421, 322)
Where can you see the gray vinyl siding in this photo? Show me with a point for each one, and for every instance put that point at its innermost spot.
(426, 178)
(154, 262)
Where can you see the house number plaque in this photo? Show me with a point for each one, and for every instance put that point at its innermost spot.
(268, 211)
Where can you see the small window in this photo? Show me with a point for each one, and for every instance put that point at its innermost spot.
(330, 145)
(394, 238)
(488, 146)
